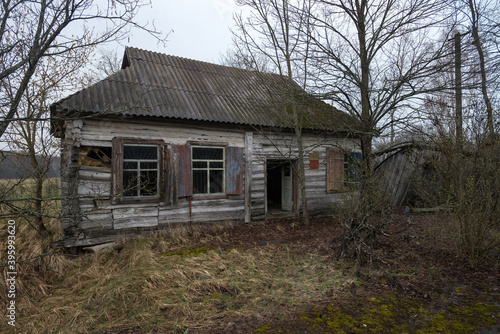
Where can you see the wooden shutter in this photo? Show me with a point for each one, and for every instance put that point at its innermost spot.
(234, 170)
(117, 167)
(334, 170)
(185, 187)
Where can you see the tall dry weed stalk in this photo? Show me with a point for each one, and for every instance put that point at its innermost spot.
(469, 185)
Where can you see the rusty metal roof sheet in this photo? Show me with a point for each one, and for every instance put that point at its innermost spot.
(159, 85)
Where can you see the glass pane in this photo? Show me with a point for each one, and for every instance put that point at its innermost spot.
(149, 183)
(216, 181)
(216, 164)
(149, 165)
(199, 164)
(208, 153)
(136, 152)
(200, 182)
(129, 183)
(130, 165)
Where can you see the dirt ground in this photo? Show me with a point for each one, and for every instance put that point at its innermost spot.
(422, 288)
(421, 273)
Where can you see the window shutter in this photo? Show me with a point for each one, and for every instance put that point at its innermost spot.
(184, 174)
(334, 170)
(116, 166)
(234, 170)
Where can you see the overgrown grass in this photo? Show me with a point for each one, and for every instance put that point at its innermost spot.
(15, 188)
(170, 282)
(139, 287)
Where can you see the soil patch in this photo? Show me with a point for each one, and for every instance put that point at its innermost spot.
(423, 287)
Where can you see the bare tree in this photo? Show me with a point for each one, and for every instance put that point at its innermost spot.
(109, 62)
(276, 35)
(481, 21)
(373, 59)
(33, 30)
(28, 136)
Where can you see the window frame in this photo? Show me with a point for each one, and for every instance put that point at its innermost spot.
(118, 170)
(339, 180)
(138, 169)
(208, 169)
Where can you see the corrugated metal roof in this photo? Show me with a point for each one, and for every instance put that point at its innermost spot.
(159, 85)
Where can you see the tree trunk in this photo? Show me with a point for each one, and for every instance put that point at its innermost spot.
(39, 176)
(479, 48)
(38, 210)
(302, 176)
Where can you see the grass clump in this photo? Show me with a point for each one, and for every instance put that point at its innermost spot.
(146, 287)
(188, 252)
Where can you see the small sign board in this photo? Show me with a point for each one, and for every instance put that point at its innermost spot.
(313, 160)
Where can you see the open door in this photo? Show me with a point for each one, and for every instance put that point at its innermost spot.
(286, 188)
(279, 194)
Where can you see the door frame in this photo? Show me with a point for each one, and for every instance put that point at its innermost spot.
(295, 183)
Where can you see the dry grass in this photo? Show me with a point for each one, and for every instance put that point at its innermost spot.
(141, 287)
(171, 281)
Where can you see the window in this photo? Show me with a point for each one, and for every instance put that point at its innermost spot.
(140, 170)
(352, 169)
(208, 165)
(342, 170)
(152, 171)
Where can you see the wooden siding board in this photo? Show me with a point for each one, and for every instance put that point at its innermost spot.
(94, 188)
(127, 223)
(248, 175)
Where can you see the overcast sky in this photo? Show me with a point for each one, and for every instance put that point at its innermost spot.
(200, 28)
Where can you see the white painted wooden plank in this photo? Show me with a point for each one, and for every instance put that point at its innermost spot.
(94, 188)
(128, 212)
(126, 223)
(160, 130)
(94, 175)
(248, 175)
(219, 208)
(91, 141)
(102, 222)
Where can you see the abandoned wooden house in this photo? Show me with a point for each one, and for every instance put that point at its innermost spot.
(168, 140)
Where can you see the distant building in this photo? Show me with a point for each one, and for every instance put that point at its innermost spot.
(13, 166)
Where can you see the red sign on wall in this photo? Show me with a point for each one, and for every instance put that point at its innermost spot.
(313, 160)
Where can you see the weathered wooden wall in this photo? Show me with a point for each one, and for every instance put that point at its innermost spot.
(91, 217)
(283, 146)
(394, 171)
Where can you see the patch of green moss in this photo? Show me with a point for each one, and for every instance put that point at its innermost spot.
(188, 252)
(215, 295)
(263, 329)
(396, 314)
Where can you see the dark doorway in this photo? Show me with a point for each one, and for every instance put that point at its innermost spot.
(279, 188)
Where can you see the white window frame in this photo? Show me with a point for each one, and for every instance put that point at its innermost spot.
(139, 169)
(223, 169)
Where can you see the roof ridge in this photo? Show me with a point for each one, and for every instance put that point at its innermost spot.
(198, 61)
